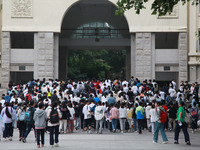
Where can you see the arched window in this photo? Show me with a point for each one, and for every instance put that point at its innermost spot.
(97, 30)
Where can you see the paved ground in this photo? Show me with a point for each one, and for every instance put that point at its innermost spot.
(105, 141)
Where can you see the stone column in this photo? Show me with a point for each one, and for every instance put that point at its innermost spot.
(44, 65)
(56, 56)
(193, 73)
(153, 49)
(143, 56)
(183, 54)
(132, 56)
(5, 59)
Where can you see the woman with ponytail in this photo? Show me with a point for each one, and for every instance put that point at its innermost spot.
(6, 113)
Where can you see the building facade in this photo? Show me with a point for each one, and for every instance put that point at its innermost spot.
(37, 34)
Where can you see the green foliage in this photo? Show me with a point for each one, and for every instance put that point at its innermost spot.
(160, 7)
(95, 63)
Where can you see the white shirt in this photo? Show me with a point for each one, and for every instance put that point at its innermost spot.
(191, 90)
(172, 92)
(125, 89)
(44, 89)
(174, 84)
(125, 82)
(19, 100)
(135, 89)
(99, 112)
(2, 102)
(153, 115)
(85, 112)
(72, 112)
(162, 94)
(177, 96)
(12, 99)
(103, 99)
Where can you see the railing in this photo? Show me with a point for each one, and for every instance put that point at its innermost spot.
(97, 32)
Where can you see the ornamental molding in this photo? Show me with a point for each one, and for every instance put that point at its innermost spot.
(173, 15)
(22, 8)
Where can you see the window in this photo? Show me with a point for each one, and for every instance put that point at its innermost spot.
(22, 40)
(97, 30)
(166, 40)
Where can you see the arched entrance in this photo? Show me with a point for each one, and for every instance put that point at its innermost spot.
(93, 25)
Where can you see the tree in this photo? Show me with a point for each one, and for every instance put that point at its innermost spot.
(96, 63)
(160, 7)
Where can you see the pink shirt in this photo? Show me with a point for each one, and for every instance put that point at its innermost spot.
(114, 113)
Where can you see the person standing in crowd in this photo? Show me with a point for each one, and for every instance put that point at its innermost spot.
(99, 117)
(135, 117)
(54, 115)
(70, 121)
(87, 117)
(181, 124)
(40, 117)
(153, 118)
(6, 114)
(92, 107)
(21, 121)
(194, 115)
(29, 120)
(114, 113)
(77, 119)
(147, 112)
(81, 115)
(130, 116)
(140, 112)
(122, 117)
(172, 116)
(159, 125)
(65, 115)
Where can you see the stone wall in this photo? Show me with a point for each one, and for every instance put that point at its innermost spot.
(44, 55)
(143, 58)
(5, 59)
(183, 54)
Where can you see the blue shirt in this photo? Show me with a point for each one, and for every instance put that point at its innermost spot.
(7, 98)
(111, 100)
(96, 99)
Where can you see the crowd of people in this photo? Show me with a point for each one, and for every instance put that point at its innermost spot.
(92, 106)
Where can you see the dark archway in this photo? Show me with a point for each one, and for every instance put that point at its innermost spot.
(93, 25)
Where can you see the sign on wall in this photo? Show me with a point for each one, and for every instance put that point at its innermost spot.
(22, 8)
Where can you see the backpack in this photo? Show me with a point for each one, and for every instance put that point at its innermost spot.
(194, 114)
(27, 98)
(22, 116)
(66, 114)
(54, 118)
(188, 118)
(28, 116)
(163, 116)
